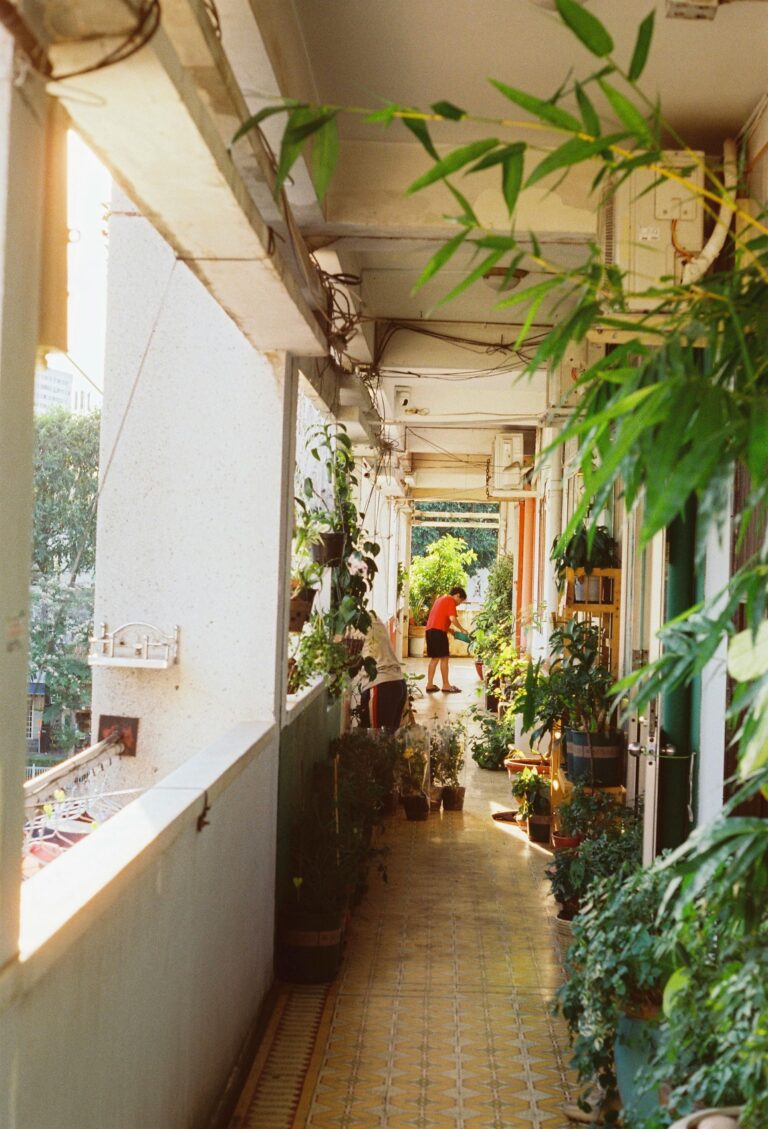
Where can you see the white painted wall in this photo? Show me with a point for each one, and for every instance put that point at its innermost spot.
(22, 136)
(190, 510)
(146, 952)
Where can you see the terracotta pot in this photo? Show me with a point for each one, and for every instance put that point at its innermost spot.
(565, 842)
(453, 797)
(479, 670)
(302, 600)
(416, 805)
(514, 765)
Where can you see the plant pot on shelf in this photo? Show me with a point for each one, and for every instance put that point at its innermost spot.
(309, 945)
(416, 805)
(453, 797)
(514, 765)
(595, 758)
(302, 600)
(329, 550)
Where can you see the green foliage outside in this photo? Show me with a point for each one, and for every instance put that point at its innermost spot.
(64, 546)
(442, 567)
(484, 542)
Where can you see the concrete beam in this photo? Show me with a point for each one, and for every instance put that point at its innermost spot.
(161, 121)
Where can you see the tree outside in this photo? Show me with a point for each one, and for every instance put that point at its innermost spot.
(442, 567)
(63, 558)
(484, 542)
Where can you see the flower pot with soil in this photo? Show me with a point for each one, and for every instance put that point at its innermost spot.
(453, 797)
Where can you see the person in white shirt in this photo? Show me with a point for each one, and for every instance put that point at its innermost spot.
(383, 698)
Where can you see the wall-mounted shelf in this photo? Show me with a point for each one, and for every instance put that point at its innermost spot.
(138, 645)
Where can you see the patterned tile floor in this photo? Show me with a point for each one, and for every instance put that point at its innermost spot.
(441, 1016)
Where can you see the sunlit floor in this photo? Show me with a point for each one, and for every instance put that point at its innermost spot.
(441, 1015)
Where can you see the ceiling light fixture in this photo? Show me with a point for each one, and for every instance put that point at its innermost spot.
(499, 278)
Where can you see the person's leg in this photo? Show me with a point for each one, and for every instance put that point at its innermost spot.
(431, 672)
(444, 672)
(391, 703)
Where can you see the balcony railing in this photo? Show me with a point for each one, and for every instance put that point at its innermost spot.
(67, 802)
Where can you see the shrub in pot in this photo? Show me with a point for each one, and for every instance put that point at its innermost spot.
(447, 762)
(441, 568)
(491, 739)
(531, 789)
(587, 549)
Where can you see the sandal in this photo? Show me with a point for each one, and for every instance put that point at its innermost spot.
(431, 689)
(449, 689)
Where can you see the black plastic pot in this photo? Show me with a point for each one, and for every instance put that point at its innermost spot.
(416, 805)
(595, 758)
(329, 550)
(453, 797)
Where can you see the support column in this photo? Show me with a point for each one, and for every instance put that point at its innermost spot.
(714, 679)
(22, 155)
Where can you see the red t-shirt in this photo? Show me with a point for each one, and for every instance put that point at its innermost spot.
(441, 613)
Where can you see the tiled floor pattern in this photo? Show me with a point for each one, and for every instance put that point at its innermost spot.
(441, 1016)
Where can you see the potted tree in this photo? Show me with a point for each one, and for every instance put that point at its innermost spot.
(586, 549)
(447, 761)
(491, 738)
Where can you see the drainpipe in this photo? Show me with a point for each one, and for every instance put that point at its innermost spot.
(520, 574)
(673, 818)
(553, 525)
(696, 267)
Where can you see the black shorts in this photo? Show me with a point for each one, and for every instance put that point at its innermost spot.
(437, 643)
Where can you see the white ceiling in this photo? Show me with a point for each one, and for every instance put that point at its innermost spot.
(710, 75)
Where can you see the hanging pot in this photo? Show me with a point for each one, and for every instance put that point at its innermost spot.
(302, 600)
(329, 550)
(596, 759)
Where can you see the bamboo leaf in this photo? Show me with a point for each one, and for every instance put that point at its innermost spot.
(572, 152)
(554, 115)
(498, 156)
(440, 258)
(452, 163)
(530, 294)
(469, 216)
(588, 111)
(627, 114)
(325, 154)
(585, 27)
(302, 123)
(642, 46)
(488, 262)
(512, 179)
(256, 119)
(448, 110)
(748, 654)
(418, 128)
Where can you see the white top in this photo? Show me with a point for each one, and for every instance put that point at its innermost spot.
(378, 647)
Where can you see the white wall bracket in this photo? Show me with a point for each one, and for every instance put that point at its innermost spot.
(139, 645)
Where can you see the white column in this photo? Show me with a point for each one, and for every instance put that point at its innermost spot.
(22, 139)
(711, 754)
(192, 515)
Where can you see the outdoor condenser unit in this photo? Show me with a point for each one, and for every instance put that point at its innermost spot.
(648, 225)
(507, 463)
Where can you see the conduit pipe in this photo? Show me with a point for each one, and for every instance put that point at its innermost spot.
(696, 267)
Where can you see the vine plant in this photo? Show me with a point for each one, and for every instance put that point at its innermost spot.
(669, 414)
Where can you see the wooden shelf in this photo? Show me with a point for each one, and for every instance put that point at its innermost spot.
(599, 601)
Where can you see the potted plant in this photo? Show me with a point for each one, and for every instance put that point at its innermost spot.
(447, 762)
(329, 518)
(575, 692)
(517, 760)
(413, 771)
(491, 738)
(531, 790)
(306, 577)
(618, 966)
(585, 814)
(586, 549)
(495, 621)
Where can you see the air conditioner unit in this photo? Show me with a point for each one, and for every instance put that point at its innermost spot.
(507, 463)
(648, 222)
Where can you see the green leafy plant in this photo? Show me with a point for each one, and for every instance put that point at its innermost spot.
(588, 812)
(618, 965)
(589, 547)
(491, 738)
(440, 569)
(611, 844)
(446, 752)
(531, 790)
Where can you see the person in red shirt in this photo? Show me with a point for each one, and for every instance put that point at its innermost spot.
(442, 620)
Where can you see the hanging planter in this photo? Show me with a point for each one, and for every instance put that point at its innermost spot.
(329, 550)
(302, 600)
